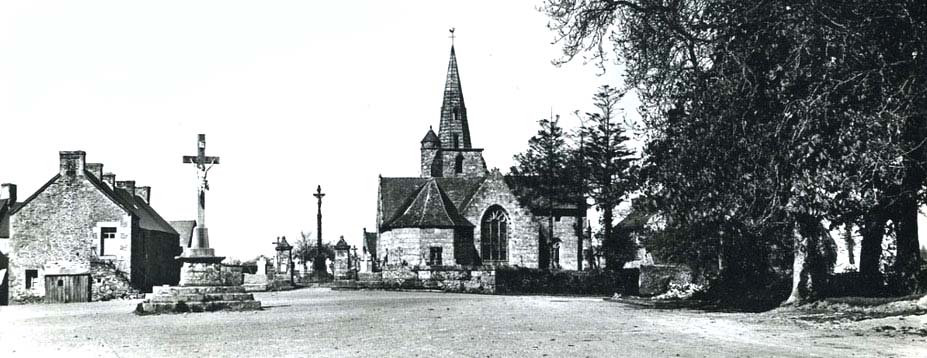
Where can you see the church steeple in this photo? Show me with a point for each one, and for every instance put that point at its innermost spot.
(454, 131)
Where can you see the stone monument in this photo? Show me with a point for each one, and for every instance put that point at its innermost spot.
(204, 285)
(342, 269)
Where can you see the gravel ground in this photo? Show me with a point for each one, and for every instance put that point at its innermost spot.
(320, 322)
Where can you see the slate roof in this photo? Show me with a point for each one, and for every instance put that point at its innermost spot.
(431, 208)
(398, 195)
(431, 137)
(149, 219)
(185, 229)
(413, 202)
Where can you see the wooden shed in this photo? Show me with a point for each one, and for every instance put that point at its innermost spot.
(65, 288)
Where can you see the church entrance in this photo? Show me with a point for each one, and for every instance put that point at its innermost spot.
(494, 235)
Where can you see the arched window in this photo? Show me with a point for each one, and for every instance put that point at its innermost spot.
(494, 238)
(456, 140)
(458, 164)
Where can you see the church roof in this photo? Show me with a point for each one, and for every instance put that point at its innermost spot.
(429, 208)
(453, 92)
(431, 137)
(397, 194)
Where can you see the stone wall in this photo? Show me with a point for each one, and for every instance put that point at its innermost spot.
(474, 279)
(108, 282)
(523, 229)
(77, 207)
(409, 246)
(565, 230)
(473, 163)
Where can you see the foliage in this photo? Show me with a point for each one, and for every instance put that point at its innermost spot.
(609, 170)
(306, 249)
(764, 119)
(548, 159)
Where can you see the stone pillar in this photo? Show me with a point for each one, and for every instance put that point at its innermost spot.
(342, 270)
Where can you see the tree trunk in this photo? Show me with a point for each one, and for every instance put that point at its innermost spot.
(814, 256)
(873, 230)
(608, 243)
(907, 259)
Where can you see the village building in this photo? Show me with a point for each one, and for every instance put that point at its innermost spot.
(457, 212)
(83, 222)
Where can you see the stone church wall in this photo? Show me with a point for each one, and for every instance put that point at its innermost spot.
(411, 246)
(523, 229)
(473, 163)
(76, 206)
(565, 230)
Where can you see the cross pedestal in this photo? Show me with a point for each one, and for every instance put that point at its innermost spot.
(204, 286)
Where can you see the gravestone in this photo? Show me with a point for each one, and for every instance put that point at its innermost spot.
(204, 285)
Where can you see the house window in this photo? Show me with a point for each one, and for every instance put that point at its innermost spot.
(456, 140)
(31, 277)
(105, 234)
(434, 256)
(458, 164)
(494, 238)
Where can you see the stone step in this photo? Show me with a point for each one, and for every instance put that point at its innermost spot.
(189, 290)
(208, 297)
(183, 307)
(255, 287)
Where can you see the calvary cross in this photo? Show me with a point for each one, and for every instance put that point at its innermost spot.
(201, 240)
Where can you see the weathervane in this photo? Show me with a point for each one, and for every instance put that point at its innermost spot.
(452, 35)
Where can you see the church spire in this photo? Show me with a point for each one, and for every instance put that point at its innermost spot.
(454, 131)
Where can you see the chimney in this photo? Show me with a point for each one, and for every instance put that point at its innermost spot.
(96, 169)
(8, 191)
(127, 185)
(143, 192)
(72, 162)
(110, 179)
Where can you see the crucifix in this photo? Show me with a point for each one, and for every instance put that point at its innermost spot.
(203, 164)
(319, 263)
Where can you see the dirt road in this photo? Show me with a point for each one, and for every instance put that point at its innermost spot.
(319, 322)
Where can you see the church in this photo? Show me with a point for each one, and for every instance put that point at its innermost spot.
(459, 213)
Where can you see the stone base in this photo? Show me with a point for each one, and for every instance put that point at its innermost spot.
(198, 273)
(173, 299)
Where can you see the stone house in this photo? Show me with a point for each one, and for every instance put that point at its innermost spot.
(457, 212)
(81, 218)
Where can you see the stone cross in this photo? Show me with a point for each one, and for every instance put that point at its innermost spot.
(203, 163)
(318, 265)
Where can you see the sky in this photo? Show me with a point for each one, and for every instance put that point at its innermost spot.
(290, 95)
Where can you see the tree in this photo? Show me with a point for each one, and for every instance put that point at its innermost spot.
(767, 119)
(609, 170)
(306, 249)
(547, 160)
